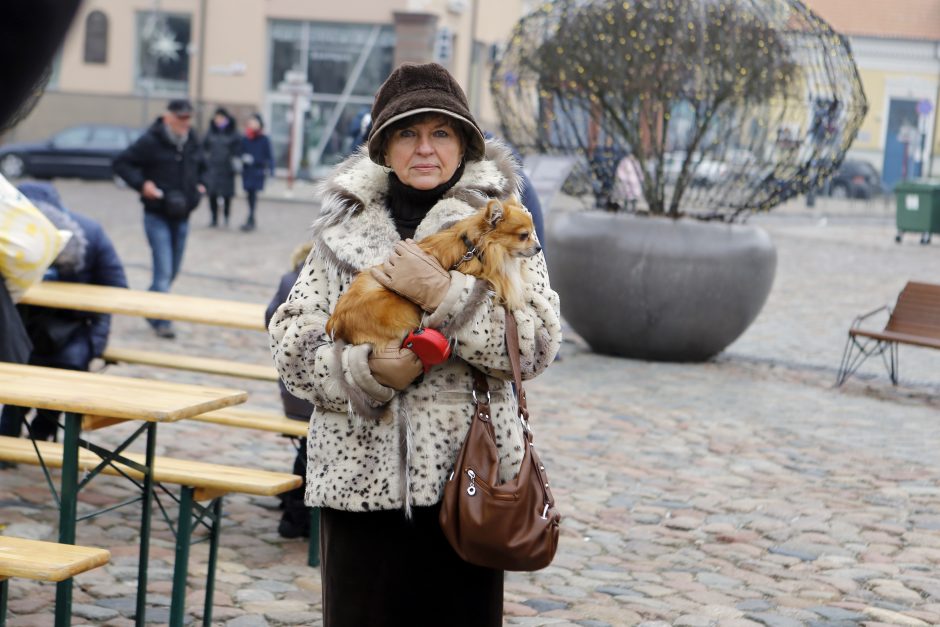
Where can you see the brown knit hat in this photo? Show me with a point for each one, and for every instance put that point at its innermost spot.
(414, 88)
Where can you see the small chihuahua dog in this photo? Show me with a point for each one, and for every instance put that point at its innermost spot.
(499, 236)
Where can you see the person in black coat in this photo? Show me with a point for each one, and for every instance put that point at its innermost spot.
(64, 338)
(15, 345)
(257, 160)
(38, 26)
(167, 167)
(295, 521)
(222, 146)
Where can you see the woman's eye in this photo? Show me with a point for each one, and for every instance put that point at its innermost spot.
(523, 236)
(407, 132)
(441, 133)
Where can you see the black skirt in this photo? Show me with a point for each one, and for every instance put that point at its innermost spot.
(380, 569)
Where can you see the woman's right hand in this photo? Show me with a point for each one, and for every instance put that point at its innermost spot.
(393, 366)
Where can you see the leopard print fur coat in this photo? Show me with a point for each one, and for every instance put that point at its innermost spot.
(370, 448)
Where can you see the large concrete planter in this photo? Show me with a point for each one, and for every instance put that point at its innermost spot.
(656, 288)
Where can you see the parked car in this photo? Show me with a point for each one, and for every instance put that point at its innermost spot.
(707, 172)
(84, 151)
(855, 179)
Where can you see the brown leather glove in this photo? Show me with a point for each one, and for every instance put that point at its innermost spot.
(414, 274)
(393, 366)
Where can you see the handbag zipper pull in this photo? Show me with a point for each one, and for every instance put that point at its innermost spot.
(472, 488)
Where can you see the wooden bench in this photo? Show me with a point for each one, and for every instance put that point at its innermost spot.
(199, 481)
(43, 561)
(118, 300)
(225, 367)
(914, 320)
(239, 417)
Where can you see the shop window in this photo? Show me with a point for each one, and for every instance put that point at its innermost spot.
(335, 50)
(378, 64)
(286, 49)
(96, 37)
(163, 41)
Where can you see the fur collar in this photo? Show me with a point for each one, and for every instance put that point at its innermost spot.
(355, 231)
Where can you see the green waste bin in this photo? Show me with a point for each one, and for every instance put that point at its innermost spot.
(918, 208)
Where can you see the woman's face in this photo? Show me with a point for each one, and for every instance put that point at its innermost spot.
(426, 153)
(253, 124)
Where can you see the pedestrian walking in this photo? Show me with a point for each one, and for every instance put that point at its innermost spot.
(384, 434)
(222, 145)
(63, 338)
(628, 183)
(167, 167)
(257, 161)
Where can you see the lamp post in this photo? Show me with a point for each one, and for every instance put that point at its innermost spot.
(295, 84)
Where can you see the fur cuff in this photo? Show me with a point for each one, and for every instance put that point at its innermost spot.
(472, 295)
(367, 397)
(454, 300)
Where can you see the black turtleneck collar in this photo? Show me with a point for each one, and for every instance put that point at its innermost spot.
(408, 205)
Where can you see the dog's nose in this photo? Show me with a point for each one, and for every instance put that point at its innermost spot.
(538, 249)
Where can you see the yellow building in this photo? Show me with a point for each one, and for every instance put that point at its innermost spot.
(897, 50)
(124, 59)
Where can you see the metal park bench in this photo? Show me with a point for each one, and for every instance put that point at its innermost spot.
(914, 320)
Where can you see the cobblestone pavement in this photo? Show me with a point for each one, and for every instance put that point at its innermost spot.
(744, 491)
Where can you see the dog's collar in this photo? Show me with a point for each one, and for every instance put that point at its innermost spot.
(470, 254)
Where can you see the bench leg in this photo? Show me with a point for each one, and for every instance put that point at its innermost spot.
(213, 558)
(856, 353)
(313, 549)
(4, 591)
(893, 369)
(143, 560)
(184, 532)
(68, 507)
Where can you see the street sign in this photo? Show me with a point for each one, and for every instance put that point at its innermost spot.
(924, 107)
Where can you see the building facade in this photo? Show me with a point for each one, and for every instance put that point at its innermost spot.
(310, 68)
(897, 51)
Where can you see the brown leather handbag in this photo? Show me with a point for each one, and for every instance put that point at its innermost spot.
(508, 526)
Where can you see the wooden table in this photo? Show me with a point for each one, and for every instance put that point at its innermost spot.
(155, 305)
(76, 393)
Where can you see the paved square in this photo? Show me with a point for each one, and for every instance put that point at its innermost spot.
(744, 491)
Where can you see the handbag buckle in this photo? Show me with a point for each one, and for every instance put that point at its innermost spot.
(476, 400)
(472, 488)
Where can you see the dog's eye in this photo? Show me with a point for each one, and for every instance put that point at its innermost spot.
(523, 236)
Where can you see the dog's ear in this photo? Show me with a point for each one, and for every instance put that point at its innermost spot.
(494, 213)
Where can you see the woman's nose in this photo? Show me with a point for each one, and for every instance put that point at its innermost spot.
(424, 145)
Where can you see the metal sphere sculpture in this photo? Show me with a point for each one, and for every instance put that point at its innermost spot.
(710, 108)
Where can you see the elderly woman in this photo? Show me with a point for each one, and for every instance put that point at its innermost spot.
(383, 439)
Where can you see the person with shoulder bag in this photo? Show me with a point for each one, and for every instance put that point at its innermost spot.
(385, 434)
(167, 167)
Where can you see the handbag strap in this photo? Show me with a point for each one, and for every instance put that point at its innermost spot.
(512, 347)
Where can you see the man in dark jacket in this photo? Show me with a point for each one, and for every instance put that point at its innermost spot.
(167, 167)
(63, 338)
